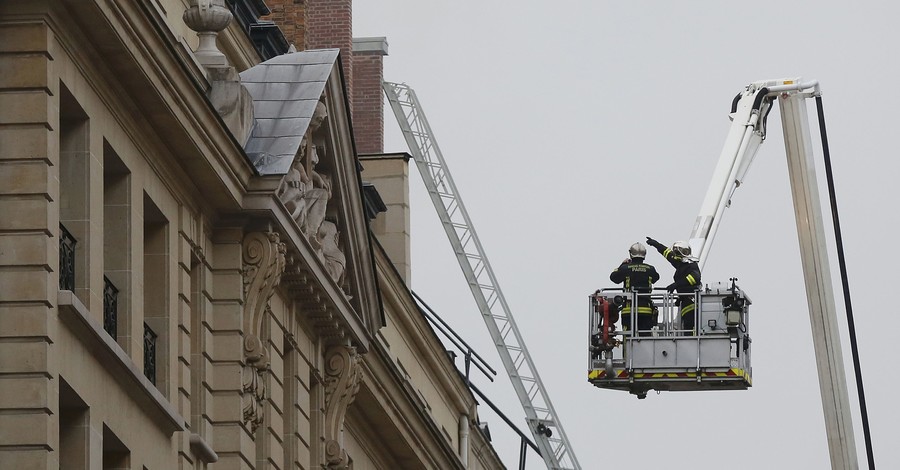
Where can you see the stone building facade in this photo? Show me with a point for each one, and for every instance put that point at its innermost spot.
(197, 269)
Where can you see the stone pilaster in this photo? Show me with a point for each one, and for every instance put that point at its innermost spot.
(185, 341)
(29, 245)
(231, 439)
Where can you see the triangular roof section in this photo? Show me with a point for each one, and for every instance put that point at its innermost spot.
(302, 132)
(285, 90)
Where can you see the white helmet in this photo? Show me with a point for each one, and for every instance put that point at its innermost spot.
(681, 248)
(638, 250)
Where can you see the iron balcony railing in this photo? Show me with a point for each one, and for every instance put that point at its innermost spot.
(149, 354)
(110, 307)
(66, 259)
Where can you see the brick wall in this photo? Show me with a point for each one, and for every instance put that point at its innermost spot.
(318, 24)
(368, 99)
(330, 25)
(290, 16)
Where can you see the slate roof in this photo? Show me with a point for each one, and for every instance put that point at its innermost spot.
(285, 90)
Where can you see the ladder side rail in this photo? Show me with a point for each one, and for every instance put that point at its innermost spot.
(477, 285)
(427, 166)
(522, 369)
(489, 285)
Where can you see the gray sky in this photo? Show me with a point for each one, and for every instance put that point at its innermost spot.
(573, 129)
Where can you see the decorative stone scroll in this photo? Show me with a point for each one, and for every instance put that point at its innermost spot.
(342, 372)
(264, 261)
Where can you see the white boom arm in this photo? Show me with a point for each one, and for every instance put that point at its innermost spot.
(746, 134)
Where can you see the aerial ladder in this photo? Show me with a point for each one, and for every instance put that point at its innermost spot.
(673, 359)
(543, 422)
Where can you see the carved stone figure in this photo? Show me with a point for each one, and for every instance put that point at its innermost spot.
(294, 184)
(316, 202)
(304, 191)
(335, 261)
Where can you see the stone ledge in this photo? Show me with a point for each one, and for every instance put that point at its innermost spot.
(76, 316)
(374, 46)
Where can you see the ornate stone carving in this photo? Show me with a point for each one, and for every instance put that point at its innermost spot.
(304, 191)
(264, 261)
(331, 253)
(207, 18)
(342, 372)
(253, 381)
(231, 99)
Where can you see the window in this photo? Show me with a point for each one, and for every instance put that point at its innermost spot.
(115, 455)
(74, 184)
(74, 428)
(117, 214)
(156, 295)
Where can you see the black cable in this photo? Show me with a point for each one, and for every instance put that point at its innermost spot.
(504, 418)
(840, 251)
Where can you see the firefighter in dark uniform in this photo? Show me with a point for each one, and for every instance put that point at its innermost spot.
(687, 278)
(637, 276)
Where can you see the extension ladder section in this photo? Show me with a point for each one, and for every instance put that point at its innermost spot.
(541, 417)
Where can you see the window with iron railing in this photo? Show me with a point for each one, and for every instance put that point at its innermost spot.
(149, 354)
(110, 307)
(66, 259)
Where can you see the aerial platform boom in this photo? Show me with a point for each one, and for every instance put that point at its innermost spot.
(749, 113)
(747, 132)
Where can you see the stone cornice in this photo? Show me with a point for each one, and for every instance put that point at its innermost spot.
(144, 55)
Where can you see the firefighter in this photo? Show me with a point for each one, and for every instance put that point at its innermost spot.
(637, 276)
(687, 278)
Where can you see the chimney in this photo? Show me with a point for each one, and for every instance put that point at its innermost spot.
(329, 24)
(290, 16)
(390, 175)
(318, 24)
(368, 98)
